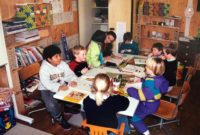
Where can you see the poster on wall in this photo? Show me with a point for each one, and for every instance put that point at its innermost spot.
(74, 5)
(57, 5)
(61, 18)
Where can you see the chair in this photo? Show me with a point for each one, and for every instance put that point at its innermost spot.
(176, 90)
(99, 130)
(168, 111)
(29, 72)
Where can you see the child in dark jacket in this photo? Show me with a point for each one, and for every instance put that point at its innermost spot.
(170, 65)
(101, 107)
(153, 86)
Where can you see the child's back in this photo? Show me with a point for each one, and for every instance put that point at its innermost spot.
(170, 64)
(101, 108)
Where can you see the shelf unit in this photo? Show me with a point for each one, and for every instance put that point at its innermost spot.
(152, 29)
(6, 75)
(101, 14)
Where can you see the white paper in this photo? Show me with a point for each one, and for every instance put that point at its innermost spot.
(74, 5)
(120, 30)
(57, 5)
(60, 18)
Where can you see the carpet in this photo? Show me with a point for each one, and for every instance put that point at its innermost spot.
(20, 129)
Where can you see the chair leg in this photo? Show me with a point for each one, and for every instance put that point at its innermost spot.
(161, 123)
(36, 110)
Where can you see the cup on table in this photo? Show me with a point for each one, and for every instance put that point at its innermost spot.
(116, 83)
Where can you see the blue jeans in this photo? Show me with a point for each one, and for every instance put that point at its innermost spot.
(121, 119)
(52, 105)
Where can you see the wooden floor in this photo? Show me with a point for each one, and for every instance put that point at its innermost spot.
(190, 118)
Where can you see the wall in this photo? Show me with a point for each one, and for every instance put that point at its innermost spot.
(70, 28)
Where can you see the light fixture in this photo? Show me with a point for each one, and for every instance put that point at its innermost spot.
(189, 11)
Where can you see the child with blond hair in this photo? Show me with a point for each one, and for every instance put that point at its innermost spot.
(101, 106)
(153, 86)
(79, 64)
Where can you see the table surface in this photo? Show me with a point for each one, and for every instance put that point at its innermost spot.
(84, 86)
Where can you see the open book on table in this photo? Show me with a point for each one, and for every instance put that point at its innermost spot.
(75, 96)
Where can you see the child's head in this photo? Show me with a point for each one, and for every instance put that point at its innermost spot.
(170, 50)
(157, 49)
(127, 37)
(155, 66)
(110, 37)
(99, 36)
(101, 87)
(52, 54)
(79, 53)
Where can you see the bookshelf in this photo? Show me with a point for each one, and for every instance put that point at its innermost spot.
(7, 80)
(152, 29)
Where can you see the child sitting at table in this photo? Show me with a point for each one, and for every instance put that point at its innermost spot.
(149, 95)
(79, 64)
(170, 64)
(54, 73)
(156, 50)
(128, 46)
(101, 107)
(94, 54)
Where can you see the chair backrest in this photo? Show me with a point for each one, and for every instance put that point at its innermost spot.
(99, 130)
(29, 71)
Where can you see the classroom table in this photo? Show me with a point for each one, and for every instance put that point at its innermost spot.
(84, 86)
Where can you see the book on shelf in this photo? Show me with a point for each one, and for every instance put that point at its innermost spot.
(75, 96)
(27, 39)
(13, 26)
(27, 55)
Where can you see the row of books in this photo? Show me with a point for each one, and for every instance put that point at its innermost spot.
(28, 55)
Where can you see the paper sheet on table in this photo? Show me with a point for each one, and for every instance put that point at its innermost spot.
(130, 111)
(134, 85)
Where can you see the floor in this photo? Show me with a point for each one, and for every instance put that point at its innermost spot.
(190, 118)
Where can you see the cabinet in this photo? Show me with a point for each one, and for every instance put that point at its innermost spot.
(187, 52)
(152, 29)
(117, 11)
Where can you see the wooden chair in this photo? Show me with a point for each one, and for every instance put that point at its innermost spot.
(176, 90)
(99, 130)
(26, 73)
(168, 111)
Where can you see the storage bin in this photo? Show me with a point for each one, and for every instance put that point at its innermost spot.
(7, 118)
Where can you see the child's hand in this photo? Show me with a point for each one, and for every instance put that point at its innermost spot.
(83, 71)
(63, 88)
(137, 80)
(73, 84)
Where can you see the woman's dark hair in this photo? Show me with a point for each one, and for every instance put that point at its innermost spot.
(99, 36)
(127, 36)
(50, 51)
(112, 33)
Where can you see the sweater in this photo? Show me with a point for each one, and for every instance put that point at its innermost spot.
(51, 77)
(105, 114)
(129, 48)
(93, 54)
(77, 67)
(170, 71)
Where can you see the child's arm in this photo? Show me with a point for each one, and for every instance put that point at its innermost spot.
(68, 73)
